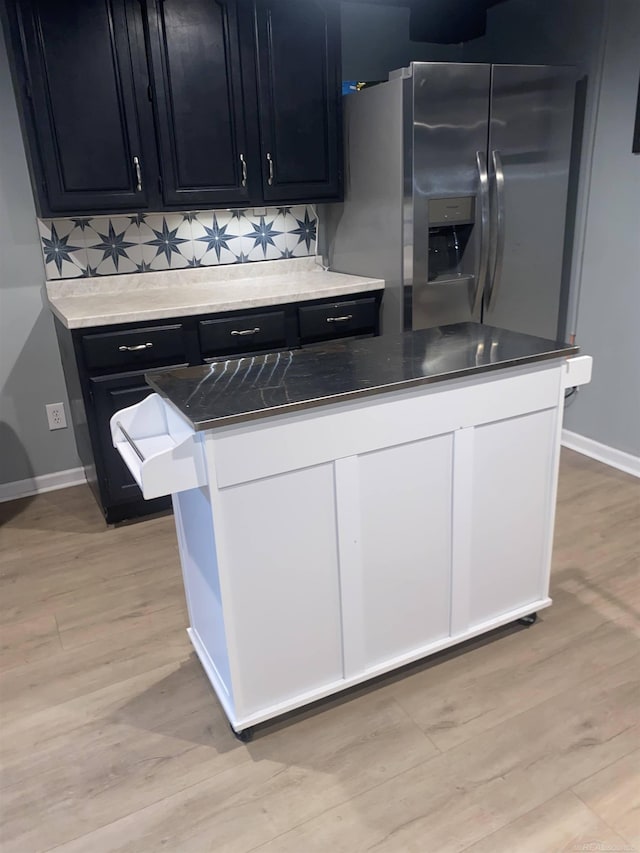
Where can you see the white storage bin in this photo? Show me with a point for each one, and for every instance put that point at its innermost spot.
(162, 451)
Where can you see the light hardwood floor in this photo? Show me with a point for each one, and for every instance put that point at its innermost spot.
(527, 741)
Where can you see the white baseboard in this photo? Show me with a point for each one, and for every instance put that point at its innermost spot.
(602, 452)
(44, 483)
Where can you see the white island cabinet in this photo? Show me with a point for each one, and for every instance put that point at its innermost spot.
(328, 537)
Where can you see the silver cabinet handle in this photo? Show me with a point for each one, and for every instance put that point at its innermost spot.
(135, 348)
(134, 446)
(342, 319)
(244, 170)
(136, 163)
(498, 257)
(270, 162)
(245, 331)
(483, 262)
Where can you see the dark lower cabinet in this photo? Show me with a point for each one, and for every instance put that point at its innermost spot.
(299, 104)
(105, 369)
(342, 319)
(234, 336)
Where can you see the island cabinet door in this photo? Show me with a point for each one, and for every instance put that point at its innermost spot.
(394, 516)
(503, 517)
(276, 537)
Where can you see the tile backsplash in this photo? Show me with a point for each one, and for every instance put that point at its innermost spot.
(83, 247)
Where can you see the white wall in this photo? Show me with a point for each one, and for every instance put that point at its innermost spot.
(608, 411)
(30, 369)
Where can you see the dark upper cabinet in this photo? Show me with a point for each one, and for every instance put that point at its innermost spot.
(197, 82)
(299, 103)
(79, 60)
(178, 104)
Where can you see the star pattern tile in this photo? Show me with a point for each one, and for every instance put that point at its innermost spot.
(166, 241)
(145, 242)
(216, 237)
(113, 245)
(263, 234)
(82, 222)
(57, 249)
(306, 230)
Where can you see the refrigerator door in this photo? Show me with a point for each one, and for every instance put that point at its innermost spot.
(445, 168)
(529, 147)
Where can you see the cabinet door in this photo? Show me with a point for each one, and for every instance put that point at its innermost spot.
(81, 58)
(298, 60)
(512, 492)
(197, 84)
(284, 581)
(404, 535)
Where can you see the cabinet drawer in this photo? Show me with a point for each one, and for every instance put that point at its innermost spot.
(337, 319)
(240, 334)
(130, 350)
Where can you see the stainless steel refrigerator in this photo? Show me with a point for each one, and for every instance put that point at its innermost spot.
(456, 193)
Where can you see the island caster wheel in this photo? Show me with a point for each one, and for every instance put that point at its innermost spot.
(244, 736)
(528, 620)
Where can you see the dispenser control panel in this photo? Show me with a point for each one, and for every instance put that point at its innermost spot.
(443, 211)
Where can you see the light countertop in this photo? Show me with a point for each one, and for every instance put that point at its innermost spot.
(106, 300)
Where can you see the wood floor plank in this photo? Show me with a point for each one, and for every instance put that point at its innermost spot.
(459, 797)
(292, 774)
(31, 640)
(561, 825)
(111, 738)
(43, 684)
(614, 795)
(488, 685)
(110, 756)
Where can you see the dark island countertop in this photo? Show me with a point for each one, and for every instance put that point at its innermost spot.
(233, 391)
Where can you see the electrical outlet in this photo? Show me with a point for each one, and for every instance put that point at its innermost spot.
(56, 416)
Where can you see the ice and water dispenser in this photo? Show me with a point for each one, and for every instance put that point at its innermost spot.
(448, 293)
(450, 247)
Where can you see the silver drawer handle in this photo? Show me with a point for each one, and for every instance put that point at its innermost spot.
(270, 162)
(134, 446)
(135, 348)
(245, 331)
(136, 163)
(340, 319)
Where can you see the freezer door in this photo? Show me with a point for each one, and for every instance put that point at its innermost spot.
(529, 147)
(445, 156)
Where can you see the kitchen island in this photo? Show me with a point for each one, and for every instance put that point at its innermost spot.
(344, 510)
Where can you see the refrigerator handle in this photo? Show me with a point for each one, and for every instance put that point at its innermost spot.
(498, 233)
(483, 263)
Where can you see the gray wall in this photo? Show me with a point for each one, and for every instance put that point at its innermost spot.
(608, 410)
(375, 39)
(30, 370)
